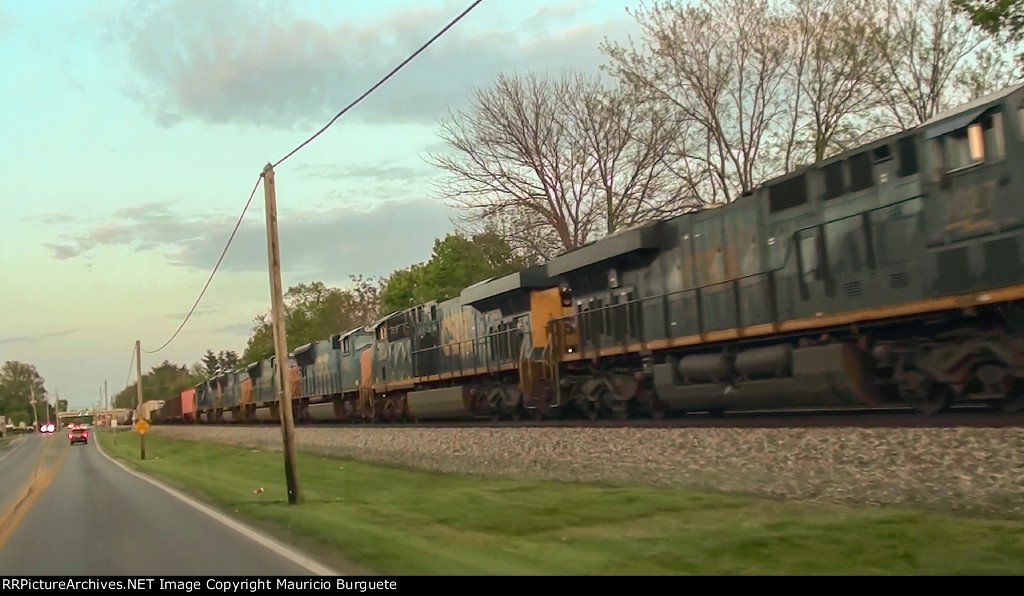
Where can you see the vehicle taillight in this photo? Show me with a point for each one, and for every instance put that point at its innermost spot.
(70, 437)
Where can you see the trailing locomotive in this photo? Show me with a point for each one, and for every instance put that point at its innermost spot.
(890, 274)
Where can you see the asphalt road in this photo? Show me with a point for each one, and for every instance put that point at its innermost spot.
(16, 464)
(85, 515)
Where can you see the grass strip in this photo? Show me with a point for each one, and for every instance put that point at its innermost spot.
(404, 522)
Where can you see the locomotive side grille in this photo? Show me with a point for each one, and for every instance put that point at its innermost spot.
(898, 280)
(852, 288)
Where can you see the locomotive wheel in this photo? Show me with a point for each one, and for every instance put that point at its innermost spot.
(656, 409)
(1014, 400)
(938, 398)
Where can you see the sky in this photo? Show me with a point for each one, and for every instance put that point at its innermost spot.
(132, 133)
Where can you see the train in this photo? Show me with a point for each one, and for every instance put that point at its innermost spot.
(889, 275)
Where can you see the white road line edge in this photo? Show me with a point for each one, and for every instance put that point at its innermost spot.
(275, 546)
(15, 443)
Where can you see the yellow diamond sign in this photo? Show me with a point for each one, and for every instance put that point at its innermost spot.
(142, 426)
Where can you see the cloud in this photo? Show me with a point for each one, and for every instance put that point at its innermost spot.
(63, 252)
(52, 218)
(329, 245)
(200, 310)
(240, 329)
(34, 338)
(16, 339)
(279, 69)
(348, 172)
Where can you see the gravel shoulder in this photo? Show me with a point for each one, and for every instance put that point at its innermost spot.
(970, 470)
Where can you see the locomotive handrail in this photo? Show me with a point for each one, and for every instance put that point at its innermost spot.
(480, 354)
(699, 290)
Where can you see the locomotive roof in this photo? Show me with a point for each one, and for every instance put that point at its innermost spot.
(385, 318)
(964, 114)
(642, 237)
(533, 277)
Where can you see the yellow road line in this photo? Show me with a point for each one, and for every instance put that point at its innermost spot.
(42, 475)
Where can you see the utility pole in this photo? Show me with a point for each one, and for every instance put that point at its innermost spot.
(280, 341)
(35, 412)
(106, 402)
(138, 392)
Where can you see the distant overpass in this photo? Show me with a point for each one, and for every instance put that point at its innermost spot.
(100, 415)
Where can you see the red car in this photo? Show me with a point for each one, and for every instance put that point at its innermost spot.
(79, 435)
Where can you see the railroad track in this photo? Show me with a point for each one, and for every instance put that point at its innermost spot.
(966, 416)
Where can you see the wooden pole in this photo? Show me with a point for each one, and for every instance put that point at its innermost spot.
(35, 413)
(138, 392)
(284, 388)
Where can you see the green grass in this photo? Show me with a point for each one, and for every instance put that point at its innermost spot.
(396, 521)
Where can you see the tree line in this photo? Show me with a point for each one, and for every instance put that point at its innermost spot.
(314, 311)
(715, 97)
(23, 395)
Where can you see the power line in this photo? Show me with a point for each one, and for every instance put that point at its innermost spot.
(130, 367)
(303, 144)
(217, 266)
(382, 81)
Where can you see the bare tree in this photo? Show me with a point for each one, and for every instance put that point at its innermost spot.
(922, 45)
(829, 78)
(720, 66)
(989, 69)
(553, 164)
(514, 158)
(628, 141)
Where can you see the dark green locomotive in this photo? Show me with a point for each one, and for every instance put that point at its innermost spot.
(890, 274)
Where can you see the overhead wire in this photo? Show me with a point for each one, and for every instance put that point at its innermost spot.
(382, 81)
(215, 267)
(299, 147)
(130, 366)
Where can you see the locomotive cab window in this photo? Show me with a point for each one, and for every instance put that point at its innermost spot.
(979, 142)
(908, 157)
(835, 186)
(861, 173)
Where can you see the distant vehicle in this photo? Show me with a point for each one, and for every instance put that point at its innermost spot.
(47, 427)
(78, 435)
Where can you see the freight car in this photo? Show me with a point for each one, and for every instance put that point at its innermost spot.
(890, 274)
(179, 410)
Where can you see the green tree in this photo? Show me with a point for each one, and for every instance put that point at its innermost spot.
(163, 382)
(19, 383)
(402, 290)
(997, 17)
(1002, 19)
(457, 262)
(228, 359)
(313, 312)
(210, 363)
